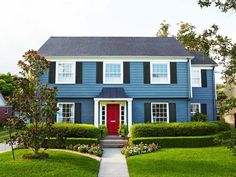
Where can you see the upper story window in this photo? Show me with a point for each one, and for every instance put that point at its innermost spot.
(66, 112)
(113, 73)
(160, 112)
(160, 73)
(195, 107)
(196, 77)
(65, 73)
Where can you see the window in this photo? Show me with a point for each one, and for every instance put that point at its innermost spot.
(66, 112)
(122, 114)
(6, 111)
(113, 73)
(65, 73)
(196, 77)
(103, 115)
(195, 107)
(160, 73)
(160, 112)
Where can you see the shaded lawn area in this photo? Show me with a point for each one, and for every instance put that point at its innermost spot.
(183, 162)
(59, 164)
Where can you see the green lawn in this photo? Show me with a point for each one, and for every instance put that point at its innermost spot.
(59, 164)
(183, 162)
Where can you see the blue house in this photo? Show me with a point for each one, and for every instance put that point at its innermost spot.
(126, 80)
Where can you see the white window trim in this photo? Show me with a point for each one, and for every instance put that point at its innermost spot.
(104, 72)
(199, 104)
(168, 72)
(73, 109)
(200, 76)
(101, 114)
(125, 115)
(167, 107)
(73, 69)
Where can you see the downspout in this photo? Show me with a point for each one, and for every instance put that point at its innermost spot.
(190, 94)
(215, 94)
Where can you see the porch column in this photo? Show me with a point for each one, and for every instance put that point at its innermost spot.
(129, 114)
(96, 113)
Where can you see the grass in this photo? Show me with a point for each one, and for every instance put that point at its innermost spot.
(184, 162)
(58, 164)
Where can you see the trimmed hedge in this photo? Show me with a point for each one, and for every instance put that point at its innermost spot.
(55, 143)
(75, 130)
(174, 129)
(187, 141)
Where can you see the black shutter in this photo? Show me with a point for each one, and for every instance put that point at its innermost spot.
(204, 109)
(126, 73)
(79, 72)
(77, 112)
(204, 77)
(172, 112)
(147, 112)
(99, 72)
(52, 73)
(173, 73)
(146, 72)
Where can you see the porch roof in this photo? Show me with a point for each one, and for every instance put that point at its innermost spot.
(111, 92)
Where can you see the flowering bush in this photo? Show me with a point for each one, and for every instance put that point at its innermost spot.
(94, 149)
(141, 148)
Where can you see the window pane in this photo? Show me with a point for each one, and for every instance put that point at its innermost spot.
(159, 113)
(195, 107)
(160, 72)
(65, 72)
(66, 113)
(113, 72)
(196, 81)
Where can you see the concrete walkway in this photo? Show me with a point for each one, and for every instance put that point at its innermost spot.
(113, 164)
(4, 147)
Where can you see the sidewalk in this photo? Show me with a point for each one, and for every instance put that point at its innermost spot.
(4, 147)
(113, 164)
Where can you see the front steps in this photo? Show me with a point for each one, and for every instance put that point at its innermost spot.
(113, 141)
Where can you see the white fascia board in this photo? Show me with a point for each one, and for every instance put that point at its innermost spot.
(119, 58)
(202, 67)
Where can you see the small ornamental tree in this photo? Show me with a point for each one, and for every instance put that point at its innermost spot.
(34, 102)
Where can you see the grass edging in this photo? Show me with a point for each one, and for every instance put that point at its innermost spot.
(179, 141)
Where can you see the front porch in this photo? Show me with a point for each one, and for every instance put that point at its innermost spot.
(113, 107)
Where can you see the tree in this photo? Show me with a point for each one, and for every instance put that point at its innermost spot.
(7, 84)
(223, 5)
(164, 30)
(34, 102)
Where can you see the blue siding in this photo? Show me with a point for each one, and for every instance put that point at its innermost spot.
(206, 95)
(181, 108)
(136, 89)
(87, 109)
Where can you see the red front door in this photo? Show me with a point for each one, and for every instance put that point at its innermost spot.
(113, 117)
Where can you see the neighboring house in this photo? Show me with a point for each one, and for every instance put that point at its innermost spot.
(126, 80)
(5, 110)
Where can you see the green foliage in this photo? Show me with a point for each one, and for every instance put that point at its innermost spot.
(39, 155)
(223, 126)
(199, 117)
(104, 131)
(93, 149)
(75, 130)
(123, 130)
(186, 141)
(63, 143)
(174, 129)
(34, 101)
(164, 29)
(223, 5)
(7, 84)
(136, 149)
(228, 139)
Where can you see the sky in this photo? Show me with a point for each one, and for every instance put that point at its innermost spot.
(27, 24)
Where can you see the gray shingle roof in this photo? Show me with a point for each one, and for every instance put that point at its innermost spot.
(111, 92)
(199, 58)
(113, 46)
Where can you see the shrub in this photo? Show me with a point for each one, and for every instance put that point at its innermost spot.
(63, 143)
(223, 126)
(140, 148)
(103, 130)
(123, 130)
(39, 155)
(94, 149)
(174, 129)
(187, 141)
(199, 117)
(228, 139)
(76, 130)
